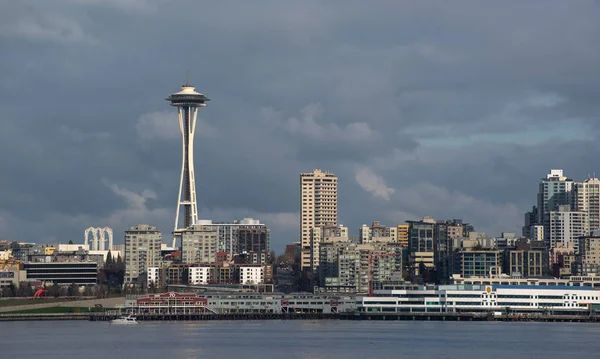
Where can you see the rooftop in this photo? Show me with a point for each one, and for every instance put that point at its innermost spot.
(188, 97)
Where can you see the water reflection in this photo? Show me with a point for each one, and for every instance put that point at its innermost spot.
(299, 340)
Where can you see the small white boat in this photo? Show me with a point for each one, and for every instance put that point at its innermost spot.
(128, 320)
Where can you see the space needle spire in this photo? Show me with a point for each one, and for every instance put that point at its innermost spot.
(187, 102)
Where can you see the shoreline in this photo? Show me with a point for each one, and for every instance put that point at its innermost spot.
(458, 317)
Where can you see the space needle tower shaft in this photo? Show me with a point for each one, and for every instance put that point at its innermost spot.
(187, 102)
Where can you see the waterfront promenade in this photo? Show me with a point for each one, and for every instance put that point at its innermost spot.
(352, 316)
(85, 303)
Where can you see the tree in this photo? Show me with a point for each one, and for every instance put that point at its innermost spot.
(109, 260)
(70, 242)
(87, 291)
(25, 290)
(6, 292)
(73, 290)
(54, 291)
(272, 257)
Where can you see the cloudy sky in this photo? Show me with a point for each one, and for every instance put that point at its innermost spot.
(446, 109)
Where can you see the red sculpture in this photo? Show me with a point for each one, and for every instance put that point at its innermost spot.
(40, 292)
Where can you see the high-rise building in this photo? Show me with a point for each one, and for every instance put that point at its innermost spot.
(142, 250)
(319, 207)
(228, 238)
(253, 239)
(589, 248)
(421, 245)
(325, 234)
(536, 233)
(198, 244)
(586, 198)
(531, 219)
(567, 226)
(358, 268)
(187, 102)
(402, 233)
(377, 233)
(555, 190)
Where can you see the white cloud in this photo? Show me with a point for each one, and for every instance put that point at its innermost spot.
(307, 125)
(164, 125)
(372, 183)
(133, 199)
(137, 210)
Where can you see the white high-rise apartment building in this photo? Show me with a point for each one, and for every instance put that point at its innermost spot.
(319, 207)
(555, 190)
(586, 198)
(142, 250)
(567, 226)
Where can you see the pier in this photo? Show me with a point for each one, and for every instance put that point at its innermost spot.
(458, 317)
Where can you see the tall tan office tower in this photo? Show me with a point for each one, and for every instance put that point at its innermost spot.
(318, 193)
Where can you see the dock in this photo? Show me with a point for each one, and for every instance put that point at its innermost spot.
(458, 317)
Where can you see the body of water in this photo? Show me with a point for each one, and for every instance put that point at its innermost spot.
(298, 340)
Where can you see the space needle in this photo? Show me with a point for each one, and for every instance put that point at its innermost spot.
(187, 102)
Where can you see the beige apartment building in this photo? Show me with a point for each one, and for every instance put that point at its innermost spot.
(589, 247)
(586, 199)
(319, 207)
(199, 244)
(142, 250)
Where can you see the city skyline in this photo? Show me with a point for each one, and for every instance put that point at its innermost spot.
(456, 117)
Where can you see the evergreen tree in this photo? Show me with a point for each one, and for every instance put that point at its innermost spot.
(109, 260)
(70, 242)
(13, 290)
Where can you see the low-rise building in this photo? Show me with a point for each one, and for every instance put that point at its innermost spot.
(5, 255)
(200, 275)
(528, 258)
(252, 275)
(80, 273)
(563, 259)
(482, 298)
(12, 276)
(153, 276)
(478, 263)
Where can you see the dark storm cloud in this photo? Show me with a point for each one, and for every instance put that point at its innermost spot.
(421, 108)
